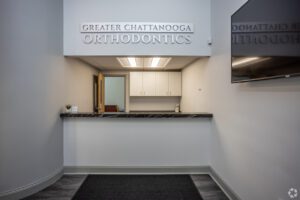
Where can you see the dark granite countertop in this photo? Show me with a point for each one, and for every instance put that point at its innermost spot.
(137, 115)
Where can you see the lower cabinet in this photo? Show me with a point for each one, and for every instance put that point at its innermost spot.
(155, 83)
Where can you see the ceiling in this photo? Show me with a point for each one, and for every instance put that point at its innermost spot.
(107, 63)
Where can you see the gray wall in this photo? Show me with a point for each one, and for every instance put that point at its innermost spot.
(31, 92)
(256, 140)
(135, 143)
(33, 75)
(182, 11)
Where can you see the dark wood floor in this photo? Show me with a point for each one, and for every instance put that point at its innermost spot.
(66, 187)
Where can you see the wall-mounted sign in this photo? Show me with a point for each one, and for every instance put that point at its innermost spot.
(136, 33)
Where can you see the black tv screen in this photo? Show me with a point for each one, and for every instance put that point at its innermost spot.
(265, 40)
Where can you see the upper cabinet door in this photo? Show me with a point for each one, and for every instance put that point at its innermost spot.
(155, 83)
(136, 84)
(174, 84)
(148, 83)
(162, 84)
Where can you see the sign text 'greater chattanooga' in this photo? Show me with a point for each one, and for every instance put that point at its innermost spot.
(135, 33)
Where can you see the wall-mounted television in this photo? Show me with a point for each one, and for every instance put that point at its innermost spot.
(265, 40)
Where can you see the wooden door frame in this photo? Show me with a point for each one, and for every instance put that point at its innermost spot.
(101, 97)
(95, 93)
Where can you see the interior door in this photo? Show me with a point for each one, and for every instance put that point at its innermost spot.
(101, 107)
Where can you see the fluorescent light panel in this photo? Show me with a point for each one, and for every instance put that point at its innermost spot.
(144, 62)
(132, 61)
(155, 62)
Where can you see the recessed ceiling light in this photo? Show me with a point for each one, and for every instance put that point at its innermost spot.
(144, 62)
(132, 61)
(155, 61)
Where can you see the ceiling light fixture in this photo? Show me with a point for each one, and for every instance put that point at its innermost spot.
(132, 61)
(144, 62)
(155, 61)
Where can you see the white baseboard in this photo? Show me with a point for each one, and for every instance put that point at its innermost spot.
(29, 189)
(225, 188)
(137, 170)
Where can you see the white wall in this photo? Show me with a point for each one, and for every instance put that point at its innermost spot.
(136, 142)
(182, 11)
(31, 92)
(195, 87)
(115, 91)
(256, 140)
(78, 84)
(153, 103)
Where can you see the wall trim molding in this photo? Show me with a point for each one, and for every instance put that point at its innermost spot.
(223, 185)
(31, 188)
(154, 170)
(136, 170)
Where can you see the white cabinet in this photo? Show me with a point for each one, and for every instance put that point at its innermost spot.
(162, 84)
(136, 84)
(155, 83)
(174, 84)
(149, 83)
(142, 83)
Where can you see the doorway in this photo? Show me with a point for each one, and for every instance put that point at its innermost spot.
(114, 93)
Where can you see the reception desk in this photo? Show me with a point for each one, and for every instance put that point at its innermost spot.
(147, 140)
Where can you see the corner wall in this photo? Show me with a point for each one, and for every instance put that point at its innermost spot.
(31, 93)
(195, 87)
(256, 138)
(33, 72)
(78, 83)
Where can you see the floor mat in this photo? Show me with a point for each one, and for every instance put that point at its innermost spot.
(138, 187)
